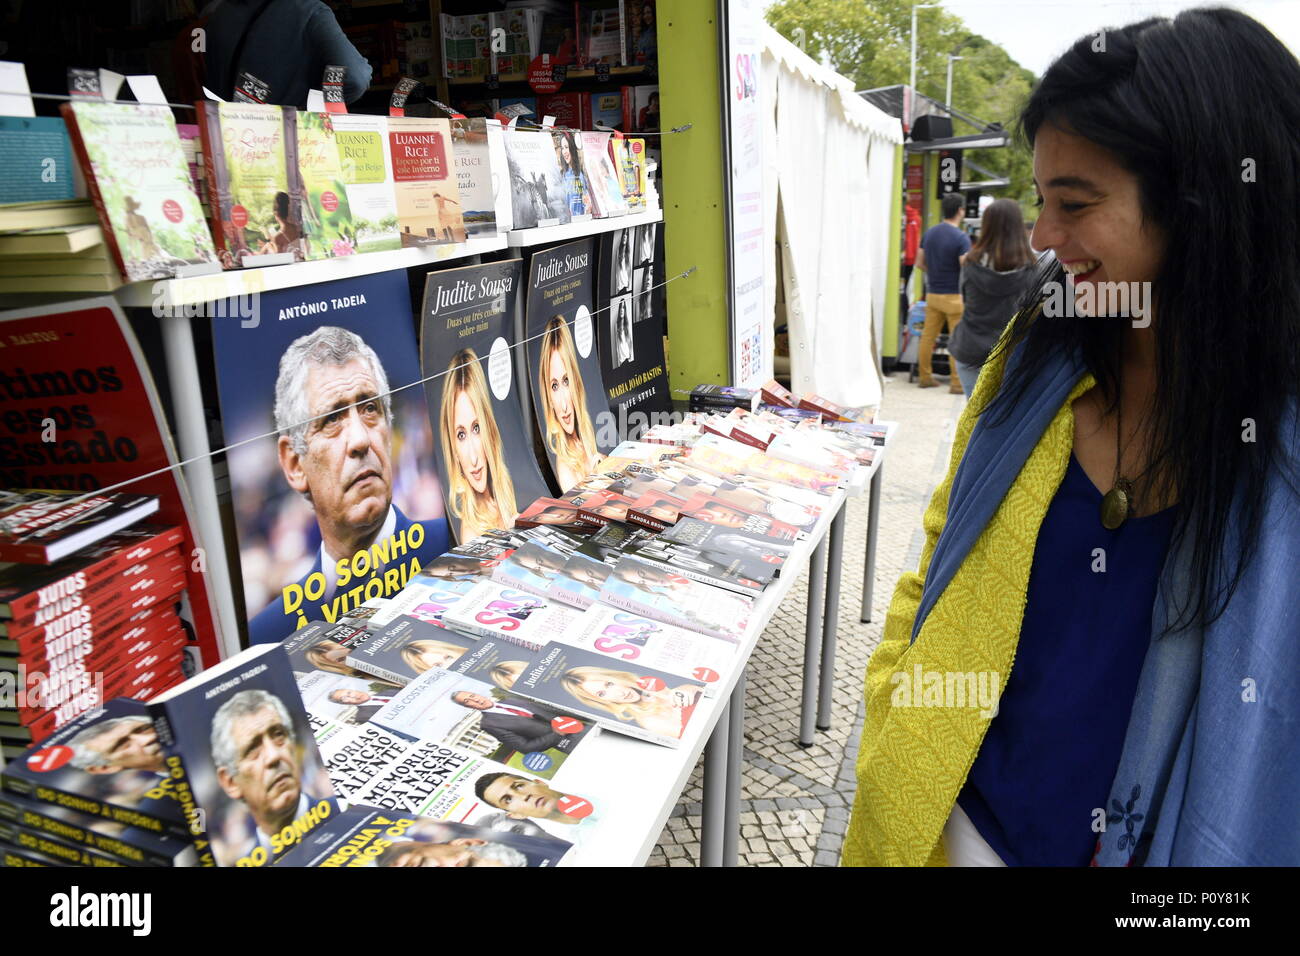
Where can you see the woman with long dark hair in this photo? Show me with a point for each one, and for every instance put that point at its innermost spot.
(995, 274)
(1114, 549)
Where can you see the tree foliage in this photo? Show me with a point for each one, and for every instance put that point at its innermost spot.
(869, 41)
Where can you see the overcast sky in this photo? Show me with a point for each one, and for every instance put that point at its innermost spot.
(1034, 33)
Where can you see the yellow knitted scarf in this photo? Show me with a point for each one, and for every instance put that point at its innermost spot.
(914, 759)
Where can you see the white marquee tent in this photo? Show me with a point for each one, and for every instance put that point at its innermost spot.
(829, 176)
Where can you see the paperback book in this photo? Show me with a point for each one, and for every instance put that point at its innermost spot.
(238, 746)
(407, 647)
(626, 637)
(366, 166)
(478, 718)
(328, 230)
(42, 526)
(664, 595)
(429, 208)
(628, 698)
(361, 836)
(140, 182)
(497, 612)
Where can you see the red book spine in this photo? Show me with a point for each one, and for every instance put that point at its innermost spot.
(83, 158)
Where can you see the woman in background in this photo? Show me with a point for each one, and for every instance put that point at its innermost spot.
(995, 273)
(570, 436)
(479, 490)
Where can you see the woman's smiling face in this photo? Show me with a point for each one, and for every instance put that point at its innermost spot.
(1091, 215)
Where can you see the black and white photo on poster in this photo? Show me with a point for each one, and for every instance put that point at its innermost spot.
(564, 361)
(485, 458)
(632, 356)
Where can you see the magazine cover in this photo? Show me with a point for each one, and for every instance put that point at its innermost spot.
(361, 836)
(663, 595)
(563, 356)
(606, 193)
(405, 648)
(632, 333)
(249, 154)
(532, 568)
(498, 612)
(424, 180)
(579, 582)
(366, 167)
(483, 720)
(109, 764)
(117, 422)
(628, 698)
(333, 691)
(462, 564)
(327, 226)
(141, 184)
(237, 737)
(740, 549)
(431, 779)
(624, 636)
(335, 508)
(427, 597)
(483, 451)
(474, 176)
(575, 184)
(538, 193)
(494, 662)
(554, 512)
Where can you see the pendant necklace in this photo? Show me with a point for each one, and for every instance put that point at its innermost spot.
(1117, 503)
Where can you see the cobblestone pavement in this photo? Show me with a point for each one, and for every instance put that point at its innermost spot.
(795, 802)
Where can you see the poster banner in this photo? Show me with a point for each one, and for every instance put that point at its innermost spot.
(568, 391)
(81, 412)
(632, 328)
(483, 450)
(342, 503)
(749, 248)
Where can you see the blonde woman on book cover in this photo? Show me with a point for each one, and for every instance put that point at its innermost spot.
(480, 493)
(570, 437)
(427, 655)
(619, 694)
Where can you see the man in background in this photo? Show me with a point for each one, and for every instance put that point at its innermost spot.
(284, 43)
(942, 247)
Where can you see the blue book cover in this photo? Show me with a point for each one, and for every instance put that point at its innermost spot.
(242, 754)
(35, 159)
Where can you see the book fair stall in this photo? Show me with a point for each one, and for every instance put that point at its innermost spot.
(396, 469)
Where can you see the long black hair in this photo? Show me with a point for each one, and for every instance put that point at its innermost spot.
(1202, 111)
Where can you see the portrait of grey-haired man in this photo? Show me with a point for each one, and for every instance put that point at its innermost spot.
(335, 448)
(258, 762)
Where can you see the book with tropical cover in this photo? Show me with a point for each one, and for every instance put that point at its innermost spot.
(251, 165)
(140, 181)
(327, 227)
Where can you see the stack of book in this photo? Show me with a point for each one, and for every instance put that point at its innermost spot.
(97, 625)
(54, 247)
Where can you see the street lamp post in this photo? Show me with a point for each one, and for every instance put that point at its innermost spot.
(912, 84)
(947, 99)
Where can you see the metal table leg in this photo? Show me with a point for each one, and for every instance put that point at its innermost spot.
(713, 822)
(192, 439)
(812, 645)
(873, 526)
(834, 559)
(735, 763)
